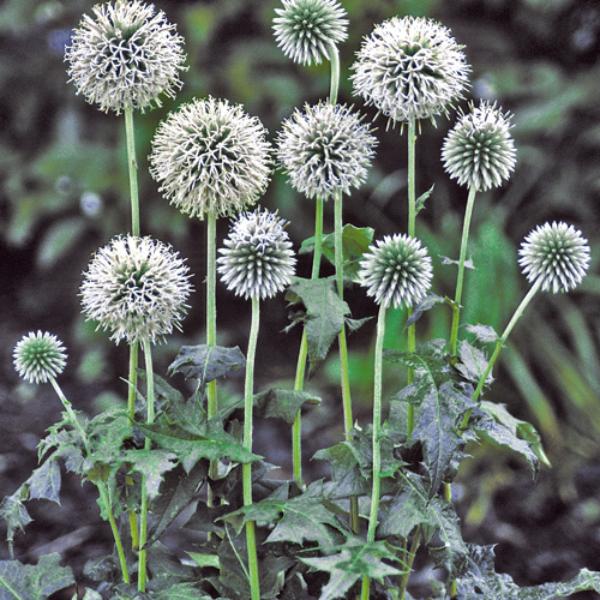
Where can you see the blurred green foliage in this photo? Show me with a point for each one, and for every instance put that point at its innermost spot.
(63, 189)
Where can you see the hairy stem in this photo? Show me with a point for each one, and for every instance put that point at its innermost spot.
(412, 222)
(460, 277)
(247, 467)
(142, 574)
(102, 487)
(376, 442)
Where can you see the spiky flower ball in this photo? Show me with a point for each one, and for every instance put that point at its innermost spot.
(326, 149)
(410, 68)
(125, 56)
(257, 260)
(396, 271)
(136, 288)
(210, 156)
(39, 357)
(479, 151)
(306, 29)
(556, 254)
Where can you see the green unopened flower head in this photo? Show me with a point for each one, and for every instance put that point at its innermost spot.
(556, 254)
(39, 357)
(410, 68)
(326, 149)
(257, 260)
(479, 151)
(125, 56)
(136, 289)
(306, 29)
(396, 271)
(210, 156)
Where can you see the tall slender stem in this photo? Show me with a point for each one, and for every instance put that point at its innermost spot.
(211, 302)
(412, 223)
(460, 277)
(132, 168)
(416, 542)
(303, 352)
(247, 467)
(142, 575)
(101, 486)
(334, 85)
(376, 442)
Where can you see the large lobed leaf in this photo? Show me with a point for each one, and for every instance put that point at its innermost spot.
(282, 404)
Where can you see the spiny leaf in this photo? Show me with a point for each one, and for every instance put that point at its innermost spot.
(33, 582)
(44, 483)
(483, 333)
(422, 199)
(350, 563)
(106, 433)
(355, 242)
(207, 363)
(429, 302)
(152, 465)
(472, 363)
(283, 404)
(215, 445)
(14, 513)
(324, 317)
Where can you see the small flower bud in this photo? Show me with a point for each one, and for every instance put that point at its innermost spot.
(39, 357)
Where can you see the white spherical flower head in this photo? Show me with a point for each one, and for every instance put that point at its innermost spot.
(257, 260)
(557, 255)
(410, 68)
(479, 151)
(136, 288)
(210, 156)
(39, 357)
(125, 56)
(396, 271)
(325, 150)
(306, 29)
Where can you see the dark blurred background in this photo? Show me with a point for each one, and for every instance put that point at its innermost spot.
(63, 193)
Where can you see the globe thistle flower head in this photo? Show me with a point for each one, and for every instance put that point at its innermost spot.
(210, 156)
(136, 289)
(125, 56)
(396, 271)
(305, 30)
(556, 254)
(479, 151)
(257, 260)
(39, 357)
(410, 68)
(326, 149)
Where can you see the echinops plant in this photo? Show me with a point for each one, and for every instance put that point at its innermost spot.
(166, 458)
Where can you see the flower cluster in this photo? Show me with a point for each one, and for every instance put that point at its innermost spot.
(396, 271)
(39, 357)
(257, 260)
(305, 30)
(126, 56)
(211, 156)
(479, 151)
(326, 149)
(136, 288)
(556, 254)
(410, 68)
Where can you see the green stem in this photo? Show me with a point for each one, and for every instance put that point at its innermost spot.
(461, 271)
(142, 574)
(376, 442)
(105, 500)
(132, 390)
(409, 563)
(247, 467)
(334, 85)
(303, 351)
(412, 222)
(211, 303)
(102, 487)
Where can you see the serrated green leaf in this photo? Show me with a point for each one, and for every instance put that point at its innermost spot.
(422, 199)
(324, 317)
(14, 513)
(44, 483)
(152, 465)
(207, 363)
(355, 242)
(472, 363)
(106, 433)
(33, 582)
(350, 563)
(429, 302)
(203, 559)
(283, 404)
(483, 333)
(215, 445)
